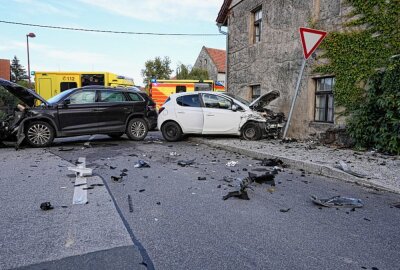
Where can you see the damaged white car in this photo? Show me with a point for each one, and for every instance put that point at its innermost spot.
(219, 113)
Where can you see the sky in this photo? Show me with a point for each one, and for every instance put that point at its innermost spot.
(65, 50)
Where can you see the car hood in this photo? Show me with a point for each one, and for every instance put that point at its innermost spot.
(27, 96)
(264, 100)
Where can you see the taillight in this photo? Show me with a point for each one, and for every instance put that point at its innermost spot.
(151, 107)
(160, 110)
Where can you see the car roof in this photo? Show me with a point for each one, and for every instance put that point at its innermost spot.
(101, 87)
(197, 92)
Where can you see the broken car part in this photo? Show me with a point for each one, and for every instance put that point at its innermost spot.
(141, 164)
(184, 163)
(344, 167)
(338, 201)
(46, 206)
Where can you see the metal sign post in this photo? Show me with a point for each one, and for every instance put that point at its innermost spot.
(310, 39)
(295, 97)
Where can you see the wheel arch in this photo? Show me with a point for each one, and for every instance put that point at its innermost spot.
(169, 121)
(43, 119)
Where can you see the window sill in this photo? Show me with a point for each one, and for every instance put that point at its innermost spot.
(316, 124)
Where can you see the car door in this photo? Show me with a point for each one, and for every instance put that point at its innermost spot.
(189, 113)
(114, 109)
(218, 115)
(79, 115)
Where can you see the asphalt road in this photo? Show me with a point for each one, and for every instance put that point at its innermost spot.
(180, 222)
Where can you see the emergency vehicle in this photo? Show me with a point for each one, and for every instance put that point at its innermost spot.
(160, 90)
(51, 83)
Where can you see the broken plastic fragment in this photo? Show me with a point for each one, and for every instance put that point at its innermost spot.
(184, 163)
(46, 206)
(267, 178)
(116, 178)
(201, 178)
(237, 194)
(269, 162)
(338, 201)
(141, 164)
(344, 167)
(232, 163)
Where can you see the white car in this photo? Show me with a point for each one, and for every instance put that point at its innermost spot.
(206, 112)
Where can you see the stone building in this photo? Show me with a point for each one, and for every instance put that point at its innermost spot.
(213, 60)
(265, 54)
(5, 71)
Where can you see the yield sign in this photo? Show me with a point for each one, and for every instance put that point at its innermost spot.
(310, 39)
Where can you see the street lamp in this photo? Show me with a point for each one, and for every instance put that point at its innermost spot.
(30, 35)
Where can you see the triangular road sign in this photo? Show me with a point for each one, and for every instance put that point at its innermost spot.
(310, 39)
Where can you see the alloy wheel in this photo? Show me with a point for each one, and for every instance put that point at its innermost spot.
(138, 129)
(39, 134)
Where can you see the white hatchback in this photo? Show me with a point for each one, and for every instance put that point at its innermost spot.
(206, 112)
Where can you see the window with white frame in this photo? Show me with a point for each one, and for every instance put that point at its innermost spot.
(324, 104)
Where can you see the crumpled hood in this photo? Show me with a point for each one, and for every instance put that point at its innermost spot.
(264, 100)
(27, 96)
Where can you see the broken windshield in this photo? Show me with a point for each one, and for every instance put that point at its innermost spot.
(243, 101)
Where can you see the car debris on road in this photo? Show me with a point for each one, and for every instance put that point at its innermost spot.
(338, 201)
(142, 164)
(46, 206)
(344, 167)
(184, 163)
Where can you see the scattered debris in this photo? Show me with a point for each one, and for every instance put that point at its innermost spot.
(232, 163)
(267, 178)
(338, 201)
(158, 203)
(228, 179)
(116, 178)
(271, 162)
(201, 178)
(288, 140)
(397, 205)
(142, 190)
(66, 149)
(284, 210)
(271, 190)
(97, 185)
(46, 206)
(367, 219)
(130, 203)
(141, 164)
(174, 154)
(87, 145)
(344, 167)
(86, 188)
(184, 163)
(238, 194)
(113, 167)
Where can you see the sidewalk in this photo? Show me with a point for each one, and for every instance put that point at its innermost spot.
(382, 172)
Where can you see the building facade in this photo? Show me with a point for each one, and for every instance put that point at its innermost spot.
(212, 60)
(5, 70)
(265, 54)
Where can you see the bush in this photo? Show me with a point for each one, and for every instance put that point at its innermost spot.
(375, 123)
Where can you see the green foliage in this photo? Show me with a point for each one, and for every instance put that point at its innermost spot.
(157, 69)
(376, 122)
(18, 72)
(356, 54)
(184, 72)
(357, 57)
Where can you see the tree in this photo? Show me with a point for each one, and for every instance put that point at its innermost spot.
(156, 69)
(18, 72)
(186, 72)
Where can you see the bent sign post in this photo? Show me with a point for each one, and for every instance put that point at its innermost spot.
(310, 40)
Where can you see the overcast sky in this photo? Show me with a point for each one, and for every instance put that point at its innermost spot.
(64, 50)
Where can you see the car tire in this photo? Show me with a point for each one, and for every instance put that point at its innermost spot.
(39, 134)
(251, 132)
(137, 129)
(171, 131)
(116, 135)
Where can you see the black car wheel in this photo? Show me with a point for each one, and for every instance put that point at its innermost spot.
(115, 135)
(171, 131)
(251, 132)
(137, 129)
(39, 134)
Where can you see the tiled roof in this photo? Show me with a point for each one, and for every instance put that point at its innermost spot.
(218, 57)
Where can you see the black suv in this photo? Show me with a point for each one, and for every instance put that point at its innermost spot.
(80, 111)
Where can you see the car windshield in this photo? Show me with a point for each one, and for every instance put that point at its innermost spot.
(59, 97)
(245, 102)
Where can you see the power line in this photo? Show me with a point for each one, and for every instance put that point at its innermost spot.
(107, 31)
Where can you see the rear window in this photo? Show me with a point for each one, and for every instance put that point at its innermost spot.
(189, 101)
(135, 97)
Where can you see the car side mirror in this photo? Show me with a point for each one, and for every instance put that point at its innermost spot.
(235, 107)
(66, 102)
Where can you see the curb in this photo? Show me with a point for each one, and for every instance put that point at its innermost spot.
(310, 167)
